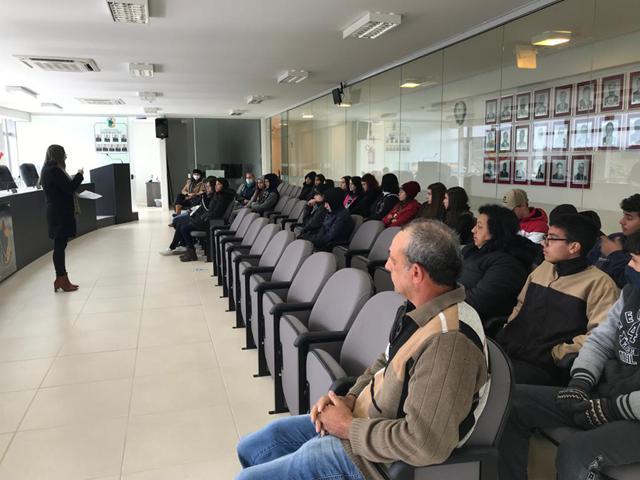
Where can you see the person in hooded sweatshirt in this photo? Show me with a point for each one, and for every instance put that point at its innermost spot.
(390, 197)
(406, 209)
(337, 225)
(496, 264)
(314, 214)
(270, 197)
(307, 187)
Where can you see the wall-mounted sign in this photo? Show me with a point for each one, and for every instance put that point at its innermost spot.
(111, 137)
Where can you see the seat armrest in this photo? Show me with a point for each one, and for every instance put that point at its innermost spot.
(341, 386)
(403, 471)
(238, 248)
(263, 287)
(493, 325)
(280, 308)
(373, 264)
(230, 240)
(309, 338)
(219, 233)
(350, 253)
(256, 269)
(241, 258)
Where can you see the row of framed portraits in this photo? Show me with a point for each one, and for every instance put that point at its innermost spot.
(605, 132)
(544, 170)
(606, 94)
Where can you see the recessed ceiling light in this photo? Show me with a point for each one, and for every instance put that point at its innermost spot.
(24, 91)
(54, 106)
(372, 25)
(552, 38)
(293, 76)
(152, 110)
(255, 99)
(142, 69)
(149, 96)
(129, 11)
(410, 84)
(307, 116)
(101, 101)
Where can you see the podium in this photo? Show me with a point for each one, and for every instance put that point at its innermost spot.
(113, 182)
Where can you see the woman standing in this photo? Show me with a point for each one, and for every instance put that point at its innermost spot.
(59, 190)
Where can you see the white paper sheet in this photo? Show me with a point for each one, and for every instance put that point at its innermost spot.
(88, 195)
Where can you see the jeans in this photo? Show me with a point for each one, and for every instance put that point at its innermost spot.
(59, 246)
(583, 453)
(178, 222)
(290, 448)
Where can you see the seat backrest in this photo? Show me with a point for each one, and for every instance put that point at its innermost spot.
(380, 249)
(239, 217)
(228, 211)
(297, 210)
(369, 334)
(253, 231)
(291, 260)
(29, 174)
(6, 179)
(311, 277)
(245, 224)
(272, 253)
(366, 235)
(340, 300)
(280, 186)
(264, 237)
(493, 418)
(281, 202)
(286, 210)
(357, 223)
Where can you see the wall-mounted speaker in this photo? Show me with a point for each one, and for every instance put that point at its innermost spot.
(162, 128)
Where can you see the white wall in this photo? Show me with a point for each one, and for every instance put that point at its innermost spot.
(147, 156)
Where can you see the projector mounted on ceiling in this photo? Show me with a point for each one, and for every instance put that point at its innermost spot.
(129, 11)
(58, 64)
(293, 76)
(372, 25)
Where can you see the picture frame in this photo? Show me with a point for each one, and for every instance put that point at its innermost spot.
(582, 134)
(504, 139)
(586, 95)
(521, 138)
(489, 170)
(504, 170)
(634, 91)
(490, 140)
(538, 170)
(581, 166)
(540, 137)
(562, 101)
(523, 106)
(558, 170)
(520, 174)
(560, 136)
(608, 133)
(491, 111)
(541, 100)
(611, 90)
(633, 131)
(506, 108)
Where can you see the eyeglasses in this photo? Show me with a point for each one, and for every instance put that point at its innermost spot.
(547, 239)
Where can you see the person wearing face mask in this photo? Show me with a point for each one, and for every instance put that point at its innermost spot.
(247, 189)
(191, 191)
(601, 404)
(337, 225)
(406, 209)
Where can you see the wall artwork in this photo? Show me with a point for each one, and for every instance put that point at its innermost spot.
(581, 171)
(558, 172)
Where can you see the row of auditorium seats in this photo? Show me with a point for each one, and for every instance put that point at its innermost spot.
(310, 315)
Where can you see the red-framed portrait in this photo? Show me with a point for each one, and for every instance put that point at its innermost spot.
(609, 132)
(541, 103)
(489, 172)
(491, 111)
(562, 98)
(581, 171)
(560, 133)
(505, 139)
(520, 173)
(521, 138)
(634, 90)
(633, 131)
(506, 108)
(582, 134)
(538, 170)
(523, 106)
(586, 97)
(490, 140)
(504, 169)
(611, 91)
(558, 170)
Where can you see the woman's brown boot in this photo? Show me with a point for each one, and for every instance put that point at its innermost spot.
(63, 283)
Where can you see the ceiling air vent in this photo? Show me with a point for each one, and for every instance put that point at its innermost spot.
(101, 101)
(59, 64)
(129, 11)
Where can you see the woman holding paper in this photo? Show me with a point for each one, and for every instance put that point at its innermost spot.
(62, 205)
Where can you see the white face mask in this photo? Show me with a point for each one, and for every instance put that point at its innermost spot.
(196, 177)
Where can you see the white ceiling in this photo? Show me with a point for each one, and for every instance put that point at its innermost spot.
(214, 53)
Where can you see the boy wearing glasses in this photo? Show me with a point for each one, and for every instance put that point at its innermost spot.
(561, 302)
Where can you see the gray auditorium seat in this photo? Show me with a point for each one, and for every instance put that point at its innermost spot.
(302, 293)
(331, 315)
(215, 222)
(278, 280)
(358, 220)
(280, 186)
(215, 233)
(378, 254)
(478, 457)
(226, 236)
(295, 216)
(286, 209)
(382, 280)
(360, 243)
(366, 340)
(278, 206)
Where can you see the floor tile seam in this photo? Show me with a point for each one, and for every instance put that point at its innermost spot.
(80, 423)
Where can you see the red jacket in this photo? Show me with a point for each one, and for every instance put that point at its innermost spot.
(534, 225)
(401, 214)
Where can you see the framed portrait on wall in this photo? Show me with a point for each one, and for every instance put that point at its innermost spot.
(523, 104)
(522, 138)
(491, 111)
(562, 101)
(504, 142)
(558, 171)
(586, 94)
(506, 108)
(489, 173)
(538, 170)
(504, 169)
(560, 137)
(611, 93)
(540, 136)
(541, 103)
(520, 173)
(490, 140)
(633, 131)
(634, 90)
(582, 134)
(608, 133)
(581, 171)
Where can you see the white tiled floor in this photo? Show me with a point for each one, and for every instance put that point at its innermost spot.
(136, 376)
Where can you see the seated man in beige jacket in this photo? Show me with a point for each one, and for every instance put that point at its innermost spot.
(416, 403)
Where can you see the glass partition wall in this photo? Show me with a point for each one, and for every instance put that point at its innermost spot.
(494, 112)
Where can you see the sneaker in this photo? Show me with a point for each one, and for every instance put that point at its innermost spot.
(166, 252)
(180, 250)
(176, 251)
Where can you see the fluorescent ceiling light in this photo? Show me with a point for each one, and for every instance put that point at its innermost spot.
(129, 11)
(236, 113)
(411, 83)
(149, 96)
(24, 91)
(344, 105)
(552, 38)
(101, 101)
(54, 106)
(307, 115)
(372, 25)
(293, 76)
(255, 99)
(152, 110)
(142, 69)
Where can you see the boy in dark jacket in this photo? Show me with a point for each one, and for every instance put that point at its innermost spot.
(602, 401)
(314, 214)
(337, 225)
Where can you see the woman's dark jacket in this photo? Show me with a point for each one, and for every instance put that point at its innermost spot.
(312, 223)
(336, 229)
(363, 204)
(493, 278)
(269, 201)
(218, 204)
(58, 191)
(383, 206)
(463, 225)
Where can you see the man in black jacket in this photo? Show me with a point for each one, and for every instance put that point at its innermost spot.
(337, 225)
